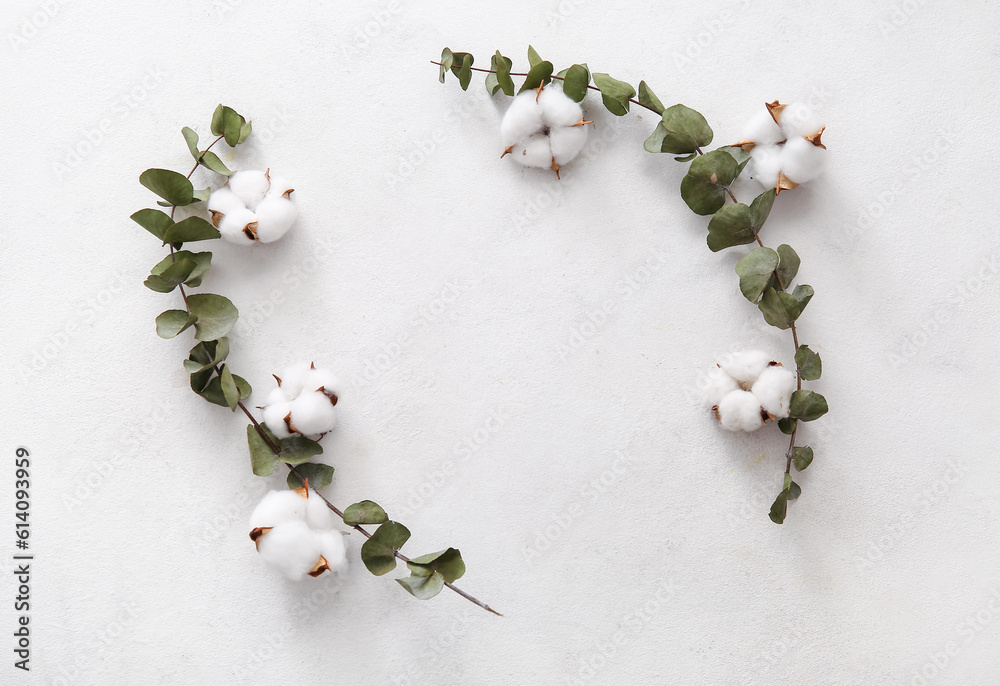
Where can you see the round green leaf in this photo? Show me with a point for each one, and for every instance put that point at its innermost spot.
(230, 392)
(211, 160)
(779, 508)
(172, 322)
(155, 221)
(802, 457)
(616, 94)
(379, 552)
(447, 562)
(575, 82)
(755, 271)
(788, 264)
(809, 363)
(648, 98)
(807, 405)
(191, 138)
(422, 587)
(298, 449)
(319, 475)
(190, 229)
(686, 131)
(262, 458)
(538, 75)
(447, 61)
(169, 185)
(168, 279)
(365, 512)
(216, 315)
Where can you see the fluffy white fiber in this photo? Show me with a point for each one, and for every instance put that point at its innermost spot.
(253, 207)
(294, 534)
(543, 129)
(305, 401)
(747, 388)
(785, 145)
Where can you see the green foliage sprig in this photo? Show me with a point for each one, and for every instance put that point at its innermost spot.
(765, 274)
(213, 317)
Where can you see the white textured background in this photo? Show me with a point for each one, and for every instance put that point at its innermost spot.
(623, 535)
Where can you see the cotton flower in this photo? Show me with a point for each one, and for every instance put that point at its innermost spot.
(785, 145)
(293, 534)
(543, 128)
(253, 207)
(747, 389)
(305, 401)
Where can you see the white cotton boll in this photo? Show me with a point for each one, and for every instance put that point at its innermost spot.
(762, 130)
(567, 142)
(745, 367)
(798, 120)
(316, 379)
(291, 548)
(234, 226)
(537, 152)
(276, 397)
(774, 388)
(331, 547)
(278, 507)
(558, 109)
(523, 118)
(801, 161)
(275, 215)
(740, 411)
(279, 185)
(274, 417)
(765, 163)
(318, 515)
(222, 201)
(719, 384)
(293, 376)
(313, 413)
(250, 186)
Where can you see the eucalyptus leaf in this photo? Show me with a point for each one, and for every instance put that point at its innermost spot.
(780, 308)
(422, 587)
(202, 260)
(533, 57)
(245, 131)
(319, 475)
(169, 185)
(788, 264)
(703, 188)
(794, 490)
(503, 81)
(170, 277)
(686, 130)
(787, 425)
(172, 322)
(217, 121)
(465, 73)
(212, 161)
(755, 271)
(298, 449)
(780, 508)
(807, 405)
(263, 461)
(648, 98)
(575, 82)
(215, 393)
(447, 62)
(229, 390)
(191, 138)
(616, 94)
(365, 512)
(190, 230)
(446, 562)
(216, 315)
(155, 221)
(379, 552)
(809, 363)
(802, 457)
(538, 75)
(206, 355)
(232, 126)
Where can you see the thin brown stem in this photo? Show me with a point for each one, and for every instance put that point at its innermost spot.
(560, 78)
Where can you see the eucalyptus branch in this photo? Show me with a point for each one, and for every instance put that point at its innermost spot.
(765, 274)
(213, 317)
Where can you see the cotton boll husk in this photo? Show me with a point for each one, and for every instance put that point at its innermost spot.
(224, 201)
(798, 120)
(522, 119)
(274, 417)
(275, 215)
(719, 384)
(233, 224)
(567, 142)
(740, 411)
(292, 378)
(291, 548)
(318, 515)
(762, 130)
(746, 366)
(250, 186)
(316, 379)
(313, 413)
(774, 388)
(558, 109)
(279, 186)
(278, 507)
(801, 161)
(765, 163)
(537, 152)
(331, 547)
